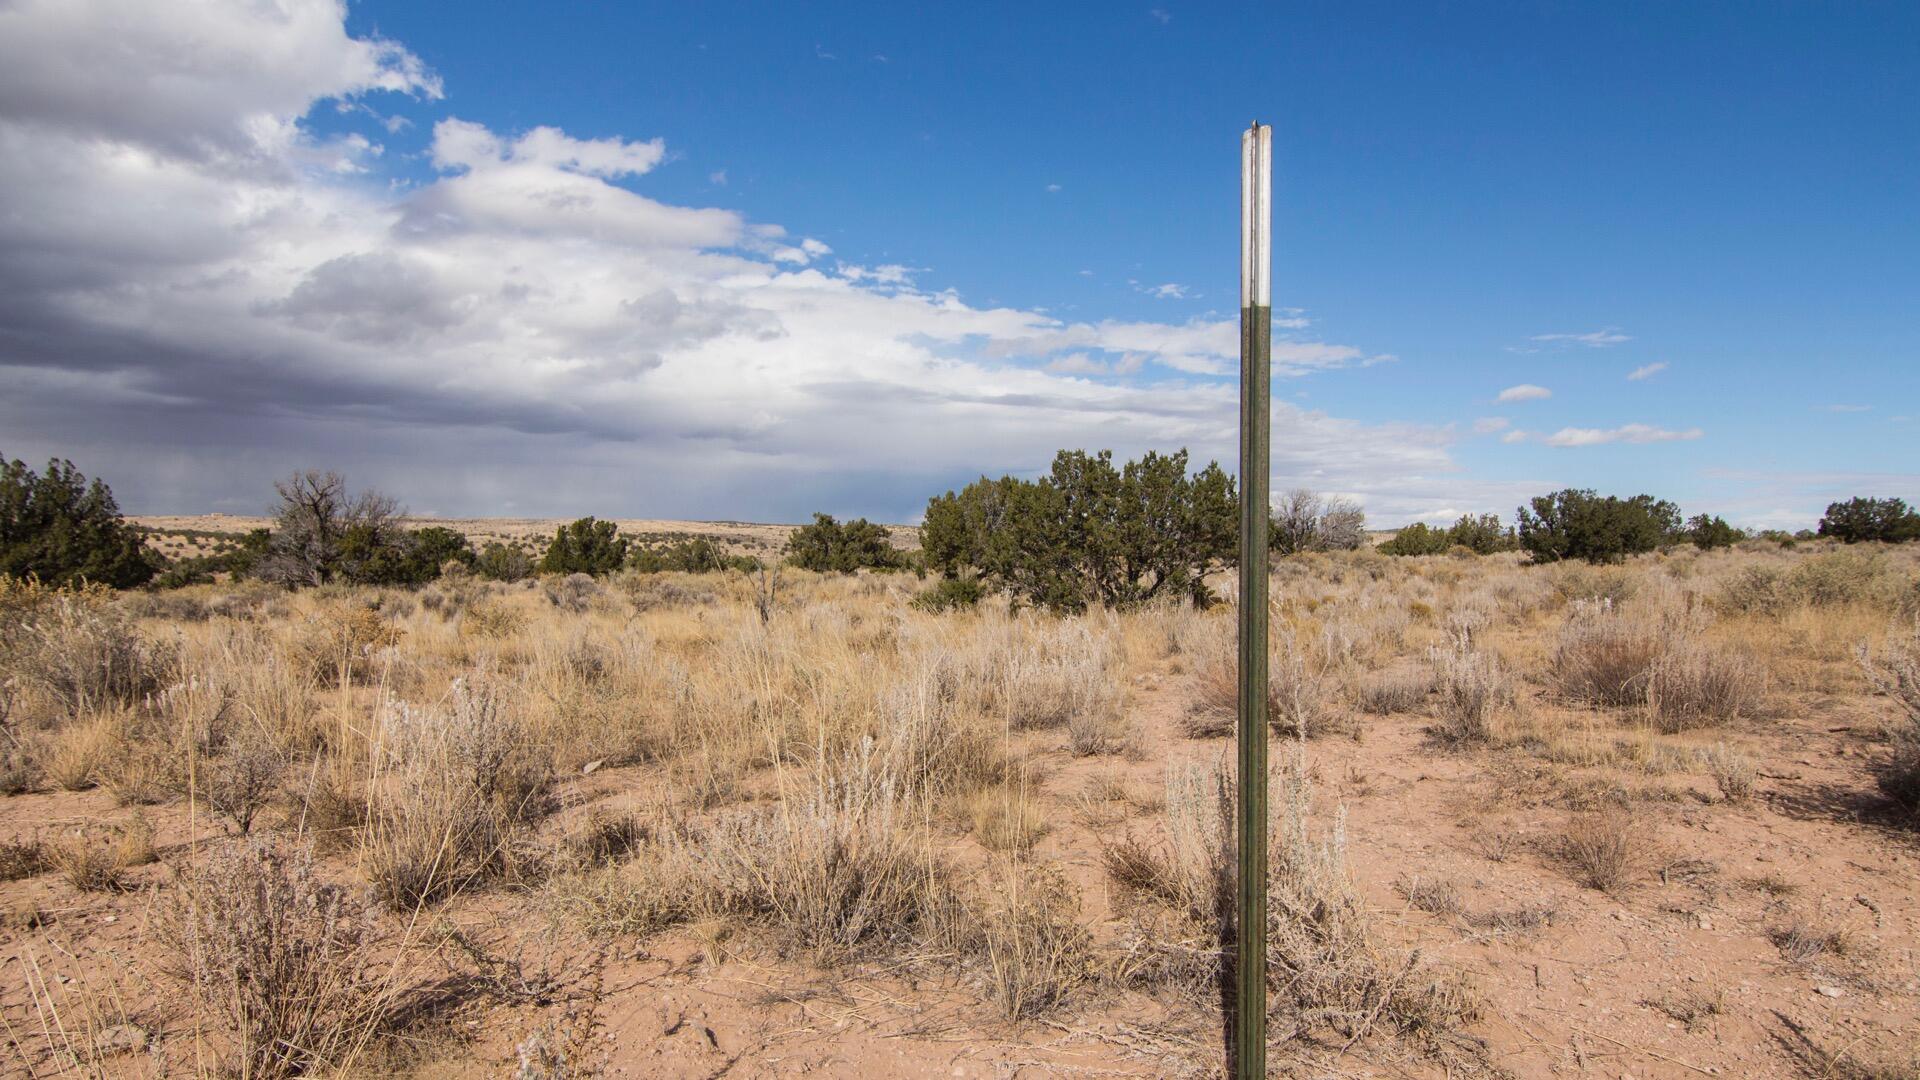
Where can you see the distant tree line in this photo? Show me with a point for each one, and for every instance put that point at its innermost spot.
(1088, 532)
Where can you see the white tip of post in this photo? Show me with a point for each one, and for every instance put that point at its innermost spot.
(1256, 216)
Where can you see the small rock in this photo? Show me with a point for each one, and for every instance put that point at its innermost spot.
(1829, 991)
(592, 766)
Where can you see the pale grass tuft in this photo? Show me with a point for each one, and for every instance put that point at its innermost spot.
(1732, 771)
(455, 788)
(1473, 693)
(1603, 849)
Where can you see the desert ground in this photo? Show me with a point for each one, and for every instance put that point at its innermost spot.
(1529, 821)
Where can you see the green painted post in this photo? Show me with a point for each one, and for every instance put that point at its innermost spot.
(1256, 342)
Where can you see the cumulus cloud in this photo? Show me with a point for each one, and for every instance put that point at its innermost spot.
(1486, 425)
(198, 293)
(1626, 433)
(1524, 392)
(1646, 371)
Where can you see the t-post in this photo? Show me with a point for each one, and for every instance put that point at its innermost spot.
(1256, 342)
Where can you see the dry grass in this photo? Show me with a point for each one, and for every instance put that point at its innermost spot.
(842, 776)
(455, 786)
(1006, 819)
(1388, 693)
(1301, 698)
(1474, 693)
(97, 858)
(1732, 771)
(1604, 849)
(289, 964)
(1034, 950)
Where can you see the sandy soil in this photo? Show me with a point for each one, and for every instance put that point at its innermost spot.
(1675, 976)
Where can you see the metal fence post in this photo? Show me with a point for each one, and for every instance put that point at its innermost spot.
(1256, 339)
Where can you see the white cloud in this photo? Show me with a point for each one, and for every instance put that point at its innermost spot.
(1515, 436)
(1524, 392)
(1626, 433)
(197, 298)
(1169, 291)
(718, 178)
(1646, 371)
(1592, 339)
(1486, 425)
(1053, 188)
(1846, 408)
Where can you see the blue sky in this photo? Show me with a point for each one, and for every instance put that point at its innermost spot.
(1469, 199)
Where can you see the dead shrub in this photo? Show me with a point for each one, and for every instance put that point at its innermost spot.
(1034, 949)
(21, 859)
(344, 642)
(97, 858)
(1603, 849)
(242, 782)
(290, 963)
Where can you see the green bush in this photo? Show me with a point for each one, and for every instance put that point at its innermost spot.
(950, 594)
(1858, 519)
(1576, 524)
(831, 547)
(696, 556)
(60, 528)
(1089, 532)
(586, 546)
(1708, 533)
(1481, 535)
(502, 562)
